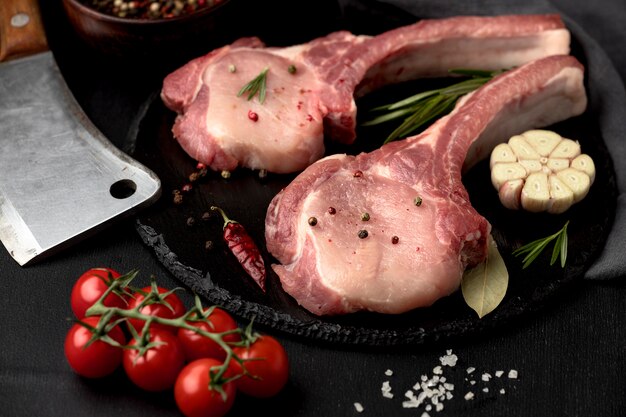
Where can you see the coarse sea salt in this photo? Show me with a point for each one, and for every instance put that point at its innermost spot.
(386, 390)
(431, 391)
(449, 359)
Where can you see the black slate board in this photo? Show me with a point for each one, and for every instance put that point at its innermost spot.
(219, 279)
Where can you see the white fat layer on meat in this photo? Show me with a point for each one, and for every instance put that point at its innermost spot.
(471, 52)
(558, 99)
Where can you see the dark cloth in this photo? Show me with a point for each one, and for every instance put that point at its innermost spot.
(570, 354)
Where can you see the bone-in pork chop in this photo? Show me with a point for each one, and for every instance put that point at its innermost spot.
(393, 230)
(310, 88)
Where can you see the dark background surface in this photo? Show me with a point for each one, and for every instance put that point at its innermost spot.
(570, 355)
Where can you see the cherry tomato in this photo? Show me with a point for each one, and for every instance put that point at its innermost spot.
(90, 286)
(157, 309)
(193, 395)
(197, 346)
(158, 367)
(97, 360)
(270, 366)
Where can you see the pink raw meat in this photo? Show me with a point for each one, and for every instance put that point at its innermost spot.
(329, 269)
(286, 132)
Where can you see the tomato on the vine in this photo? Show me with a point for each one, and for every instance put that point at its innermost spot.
(174, 309)
(90, 286)
(195, 397)
(100, 358)
(197, 346)
(158, 367)
(266, 360)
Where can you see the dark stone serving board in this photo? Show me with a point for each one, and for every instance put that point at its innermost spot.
(219, 279)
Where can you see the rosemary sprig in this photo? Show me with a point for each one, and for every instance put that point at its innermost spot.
(256, 85)
(534, 248)
(423, 108)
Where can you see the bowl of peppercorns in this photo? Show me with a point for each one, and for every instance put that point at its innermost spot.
(151, 29)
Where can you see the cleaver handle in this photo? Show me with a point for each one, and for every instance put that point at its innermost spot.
(21, 29)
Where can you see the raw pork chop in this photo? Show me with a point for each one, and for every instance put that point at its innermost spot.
(420, 231)
(286, 132)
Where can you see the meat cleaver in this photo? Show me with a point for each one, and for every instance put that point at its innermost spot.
(60, 179)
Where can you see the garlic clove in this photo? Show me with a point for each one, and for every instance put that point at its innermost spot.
(543, 141)
(531, 165)
(510, 193)
(536, 192)
(523, 149)
(503, 172)
(585, 164)
(557, 164)
(577, 181)
(502, 153)
(567, 149)
(561, 196)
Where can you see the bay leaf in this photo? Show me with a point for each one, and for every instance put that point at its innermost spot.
(484, 286)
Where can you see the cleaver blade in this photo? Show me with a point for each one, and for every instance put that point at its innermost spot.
(61, 180)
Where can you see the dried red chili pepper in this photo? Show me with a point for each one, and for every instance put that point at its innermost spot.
(244, 248)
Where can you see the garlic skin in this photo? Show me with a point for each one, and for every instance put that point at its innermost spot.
(541, 171)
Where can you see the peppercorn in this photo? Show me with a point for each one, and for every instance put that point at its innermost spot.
(312, 221)
(358, 174)
(253, 116)
(209, 245)
(225, 174)
(148, 9)
(331, 210)
(362, 234)
(395, 240)
(291, 69)
(417, 201)
(232, 68)
(365, 217)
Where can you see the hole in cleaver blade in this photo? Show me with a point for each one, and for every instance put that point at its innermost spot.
(61, 180)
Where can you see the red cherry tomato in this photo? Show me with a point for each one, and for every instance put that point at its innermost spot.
(161, 310)
(270, 366)
(90, 286)
(193, 395)
(197, 346)
(97, 360)
(158, 367)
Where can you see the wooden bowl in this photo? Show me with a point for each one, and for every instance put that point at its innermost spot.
(176, 38)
